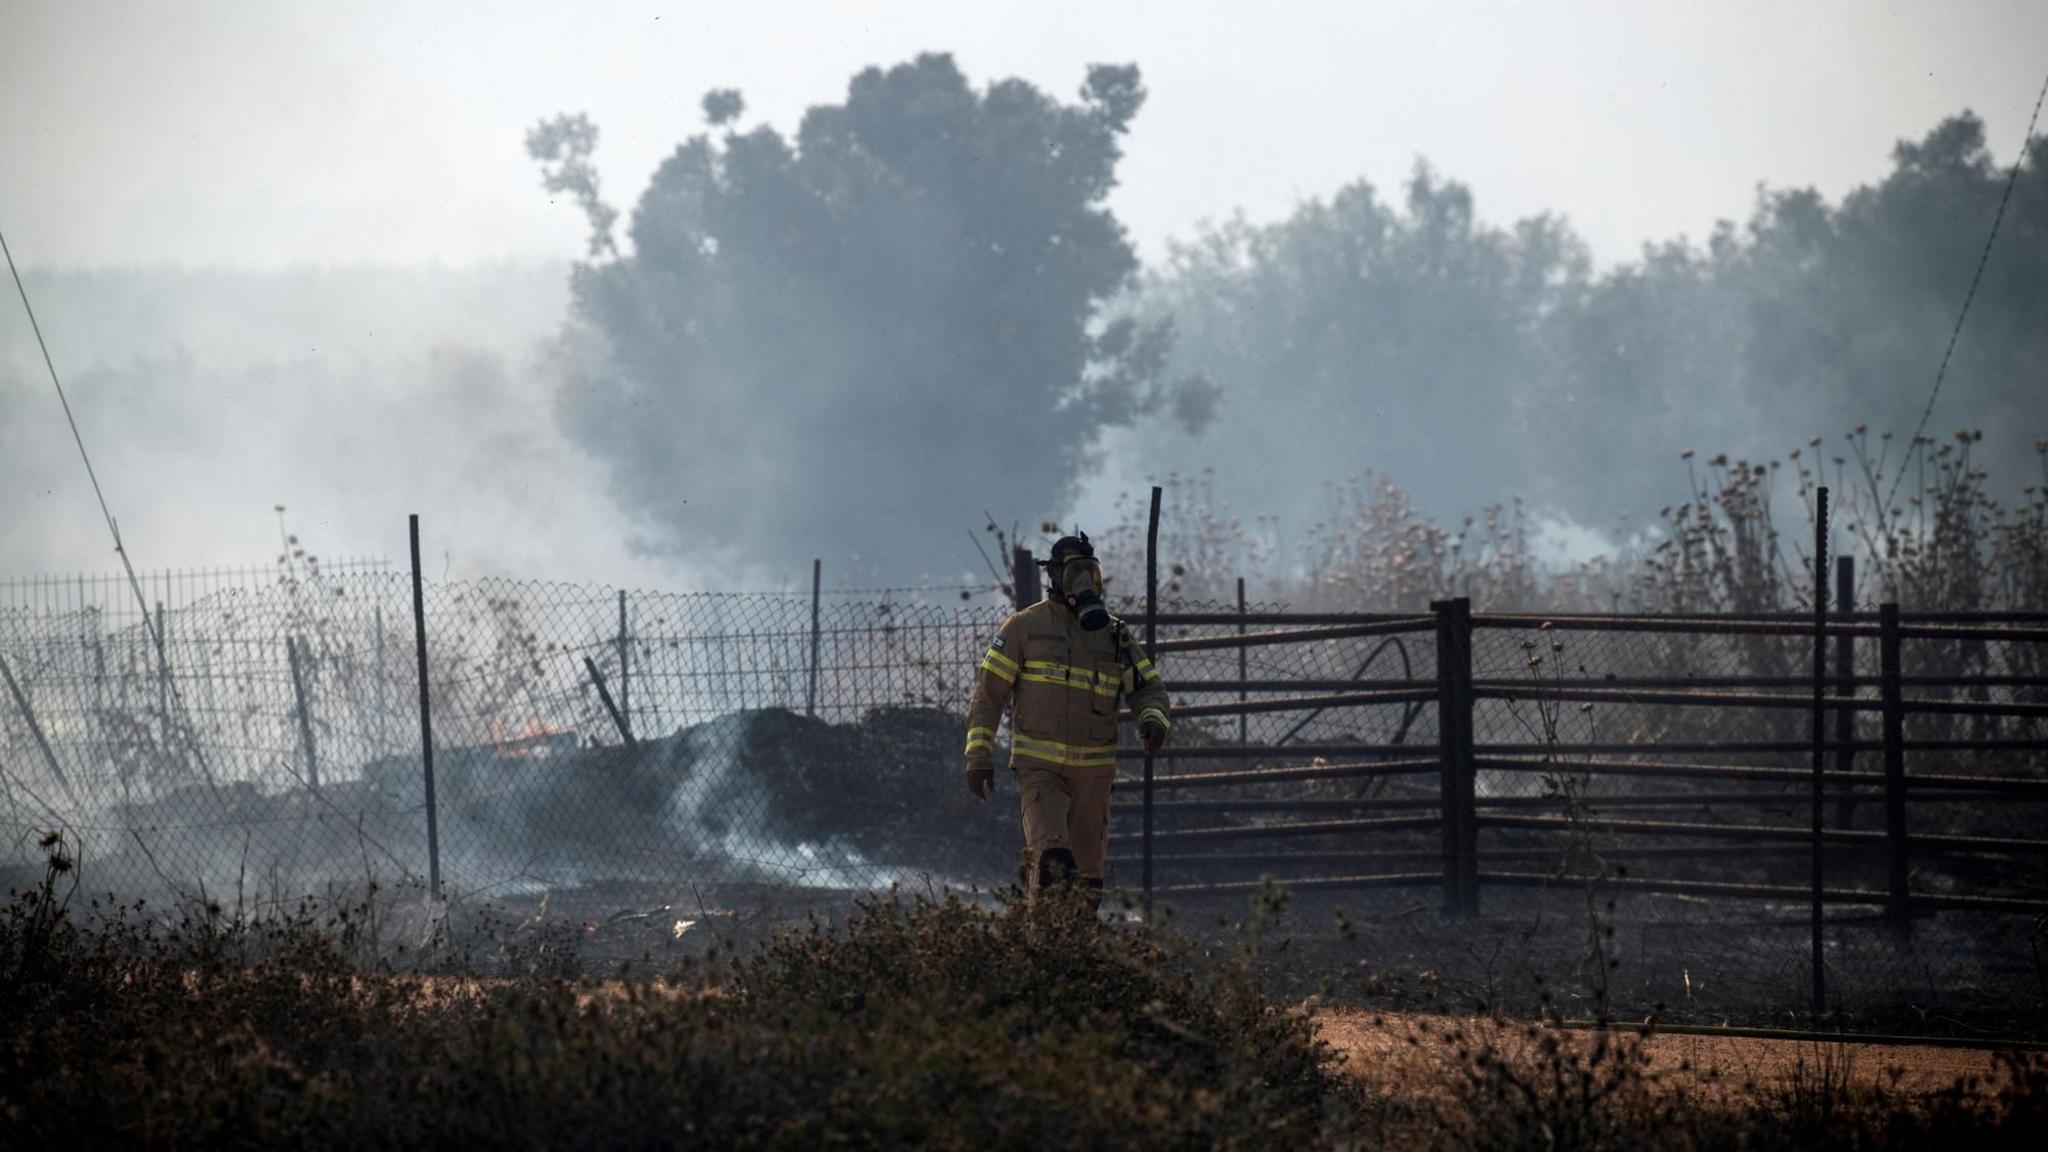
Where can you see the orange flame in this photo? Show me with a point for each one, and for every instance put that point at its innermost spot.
(531, 738)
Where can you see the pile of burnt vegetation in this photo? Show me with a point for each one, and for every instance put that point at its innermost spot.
(768, 794)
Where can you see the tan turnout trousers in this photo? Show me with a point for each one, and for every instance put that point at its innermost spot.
(1062, 811)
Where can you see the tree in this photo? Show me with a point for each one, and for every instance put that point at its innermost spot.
(1359, 337)
(852, 342)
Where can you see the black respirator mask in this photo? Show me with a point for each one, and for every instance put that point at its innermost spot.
(1080, 585)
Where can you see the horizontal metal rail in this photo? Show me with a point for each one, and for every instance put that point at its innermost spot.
(1294, 635)
(1675, 683)
(1966, 632)
(1310, 884)
(1121, 802)
(1595, 803)
(1663, 769)
(1733, 747)
(1751, 626)
(1412, 767)
(1232, 619)
(1309, 703)
(1697, 625)
(1274, 831)
(1799, 894)
(1620, 884)
(1275, 751)
(1803, 616)
(1969, 844)
(1192, 687)
(1433, 855)
(1516, 690)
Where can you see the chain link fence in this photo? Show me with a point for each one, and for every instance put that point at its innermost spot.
(278, 741)
(628, 746)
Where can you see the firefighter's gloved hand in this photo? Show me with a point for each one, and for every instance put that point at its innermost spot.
(1154, 735)
(981, 782)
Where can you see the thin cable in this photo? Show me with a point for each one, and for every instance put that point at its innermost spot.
(77, 438)
(113, 527)
(1982, 259)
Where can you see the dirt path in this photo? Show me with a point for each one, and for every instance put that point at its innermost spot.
(1407, 1051)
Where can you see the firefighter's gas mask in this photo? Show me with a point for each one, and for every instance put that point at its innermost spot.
(1080, 585)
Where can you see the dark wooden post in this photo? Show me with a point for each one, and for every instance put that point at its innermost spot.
(1454, 739)
(1151, 636)
(811, 696)
(1894, 768)
(1024, 587)
(1845, 687)
(1820, 732)
(419, 626)
(291, 652)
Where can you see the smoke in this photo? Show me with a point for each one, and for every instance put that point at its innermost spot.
(353, 398)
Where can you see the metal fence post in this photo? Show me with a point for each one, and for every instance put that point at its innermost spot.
(383, 713)
(1845, 687)
(291, 651)
(1820, 733)
(625, 667)
(163, 681)
(1454, 738)
(419, 624)
(1243, 730)
(1894, 768)
(1151, 637)
(604, 695)
(811, 697)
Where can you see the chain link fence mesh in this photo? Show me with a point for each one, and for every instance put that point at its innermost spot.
(276, 748)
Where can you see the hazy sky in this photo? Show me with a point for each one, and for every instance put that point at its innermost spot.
(264, 134)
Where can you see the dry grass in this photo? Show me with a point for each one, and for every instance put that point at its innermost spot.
(919, 1024)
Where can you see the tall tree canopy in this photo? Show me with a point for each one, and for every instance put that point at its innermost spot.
(853, 342)
(1475, 363)
(1813, 318)
(1360, 336)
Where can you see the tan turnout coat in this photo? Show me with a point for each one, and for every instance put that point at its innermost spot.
(1063, 685)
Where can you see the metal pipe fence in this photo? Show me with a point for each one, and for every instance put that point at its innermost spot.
(1506, 769)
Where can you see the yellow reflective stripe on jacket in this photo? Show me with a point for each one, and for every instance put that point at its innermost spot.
(1145, 669)
(1156, 716)
(998, 657)
(1069, 675)
(1067, 755)
(994, 661)
(978, 738)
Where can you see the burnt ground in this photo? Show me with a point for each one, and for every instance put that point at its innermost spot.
(1401, 1051)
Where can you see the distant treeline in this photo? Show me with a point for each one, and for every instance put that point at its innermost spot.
(919, 309)
(916, 312)
(1476, 363)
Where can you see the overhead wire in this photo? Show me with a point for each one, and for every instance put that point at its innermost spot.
(1983, 258)
(149, 622)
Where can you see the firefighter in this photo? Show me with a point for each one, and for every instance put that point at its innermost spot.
(1063, 666)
